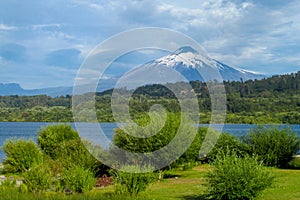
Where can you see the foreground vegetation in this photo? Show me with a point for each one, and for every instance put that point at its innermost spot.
(189, 185)
(60, 167)
(268, 101)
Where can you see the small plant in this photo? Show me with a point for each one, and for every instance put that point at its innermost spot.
(38, 178)
(130, 180)
(78, 179)
(7, 184)
(21, 155)
(234, 178)
(189, 165)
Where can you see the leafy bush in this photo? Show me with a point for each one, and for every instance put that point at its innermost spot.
(161, 136)
(191, 155)
(227, 143)
(130, 180)
(78, 179)
(295, 163)
(274, 147)
(21, 155)
(38, 178)
(148, 144)
(62, 143)
(51, 137)
(237, 178)
(73, 152)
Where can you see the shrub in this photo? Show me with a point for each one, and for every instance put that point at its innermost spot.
(191, 155)
(38, 178)
(227, 143)
(273, 146)
(73, 152)
(51, 137)
(130, 180)
(21, 155)
(160, 137)
(295, 163)
(237, 178)
(62, 143)
(78, 179)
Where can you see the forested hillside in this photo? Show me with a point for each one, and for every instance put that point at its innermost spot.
(270, 100)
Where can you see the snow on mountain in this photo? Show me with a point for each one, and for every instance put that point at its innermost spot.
(188, 61)
(186, 56)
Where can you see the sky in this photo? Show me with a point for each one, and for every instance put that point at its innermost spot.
(43, 43)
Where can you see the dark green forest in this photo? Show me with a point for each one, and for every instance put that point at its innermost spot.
(267, 101)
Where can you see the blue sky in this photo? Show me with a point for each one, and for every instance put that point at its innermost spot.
(43, 43)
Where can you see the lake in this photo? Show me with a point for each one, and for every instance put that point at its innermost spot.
(28, 130)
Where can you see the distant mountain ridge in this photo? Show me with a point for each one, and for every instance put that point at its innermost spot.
(185, 60)
(16, 89)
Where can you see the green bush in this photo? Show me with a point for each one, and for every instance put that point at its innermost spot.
(130, 180)
(62, 143)
(73, 152)
(21, 155)
(295, 163)
(227, 143)
(38, 178)
(191, 156)
(159, 139)
(237, 178)
(274, 147)
(51, 137)
(78, 179)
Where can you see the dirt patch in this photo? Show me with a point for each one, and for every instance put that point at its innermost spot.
(104, 181)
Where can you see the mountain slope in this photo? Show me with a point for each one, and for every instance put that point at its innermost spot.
(10, 89)
(188, 61)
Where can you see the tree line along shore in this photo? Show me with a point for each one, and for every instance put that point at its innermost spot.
(273, 100)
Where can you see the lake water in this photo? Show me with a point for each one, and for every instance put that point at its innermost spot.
(28, 130)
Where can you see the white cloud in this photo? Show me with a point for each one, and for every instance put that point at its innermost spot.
(4, 27)
(43, 26)
(253, 34)
(212, 13)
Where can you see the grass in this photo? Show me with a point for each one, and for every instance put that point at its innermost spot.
(286, 185)
(186, 185)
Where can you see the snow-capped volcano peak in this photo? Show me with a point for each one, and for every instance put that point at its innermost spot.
(189, 62)
(186, 49)
(186, 56)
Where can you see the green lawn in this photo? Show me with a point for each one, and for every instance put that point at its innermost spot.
(186, 185)
(286, 186)
(191, 184)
